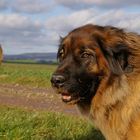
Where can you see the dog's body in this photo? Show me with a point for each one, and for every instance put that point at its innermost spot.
(100, 71)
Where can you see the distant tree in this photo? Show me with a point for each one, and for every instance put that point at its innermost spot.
(1, 54)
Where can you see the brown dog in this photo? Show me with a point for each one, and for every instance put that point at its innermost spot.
(99, 70)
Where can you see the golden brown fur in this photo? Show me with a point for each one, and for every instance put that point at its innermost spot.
(115, 106)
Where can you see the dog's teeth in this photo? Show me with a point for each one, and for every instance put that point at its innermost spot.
(66, 97)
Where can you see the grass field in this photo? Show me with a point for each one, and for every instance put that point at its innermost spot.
(26, 74)
(18, 124)
(21, 61)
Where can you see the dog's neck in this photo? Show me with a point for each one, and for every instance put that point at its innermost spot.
(114, 108)
(84, 107)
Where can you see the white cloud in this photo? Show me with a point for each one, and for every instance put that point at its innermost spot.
(77, 4)
(27, 6)
(66, 23)
(18, 22)
(3, 4)
(19, 32)
(31, 6)
(119, 18)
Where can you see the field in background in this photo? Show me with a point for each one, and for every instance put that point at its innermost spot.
(17, 81)
(26, 74)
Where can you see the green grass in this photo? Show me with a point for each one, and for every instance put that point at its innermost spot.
(19, 124)
(26, 74)
(21, 61)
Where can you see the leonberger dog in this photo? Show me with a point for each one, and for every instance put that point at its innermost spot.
(99, 70)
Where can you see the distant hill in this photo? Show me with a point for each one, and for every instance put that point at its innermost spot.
(36, 57)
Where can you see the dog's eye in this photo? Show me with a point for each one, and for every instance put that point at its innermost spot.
(86, 55)
(61, 53)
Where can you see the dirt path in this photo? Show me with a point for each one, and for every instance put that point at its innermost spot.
(34, 98)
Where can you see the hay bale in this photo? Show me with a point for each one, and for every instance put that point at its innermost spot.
(1, 54)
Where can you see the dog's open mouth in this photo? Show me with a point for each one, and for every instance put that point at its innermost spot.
(66, 97)
(69, 99)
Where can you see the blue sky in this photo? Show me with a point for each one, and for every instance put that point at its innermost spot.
(36, 25)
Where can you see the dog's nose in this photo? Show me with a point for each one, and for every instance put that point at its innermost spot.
(57, 80)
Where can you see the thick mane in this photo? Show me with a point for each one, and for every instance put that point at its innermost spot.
(133, 41)
(115, 36)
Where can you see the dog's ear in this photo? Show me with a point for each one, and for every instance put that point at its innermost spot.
(61, 39)
(116, 55)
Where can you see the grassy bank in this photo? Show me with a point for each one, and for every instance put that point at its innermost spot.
(19, 124)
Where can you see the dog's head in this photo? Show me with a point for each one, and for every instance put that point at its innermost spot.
(86, 56)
